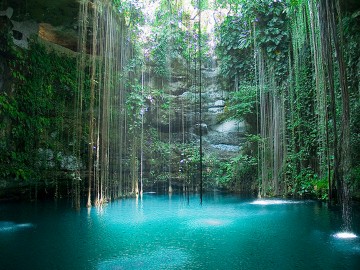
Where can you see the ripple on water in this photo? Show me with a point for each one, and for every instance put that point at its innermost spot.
(165, 258)
(9, 226)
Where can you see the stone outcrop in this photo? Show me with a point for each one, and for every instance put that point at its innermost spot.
(224, 139)
(53, 21)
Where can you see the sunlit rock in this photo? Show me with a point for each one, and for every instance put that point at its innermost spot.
(230, 126)
(215, 110)
(219, 103)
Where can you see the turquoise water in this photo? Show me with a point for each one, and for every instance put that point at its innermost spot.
(162, 232)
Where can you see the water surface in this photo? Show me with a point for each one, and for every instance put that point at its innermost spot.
(162, 232)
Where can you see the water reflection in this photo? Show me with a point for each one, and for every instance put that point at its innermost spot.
(157, 232)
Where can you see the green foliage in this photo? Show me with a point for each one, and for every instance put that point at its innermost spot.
(271, 28)
(355, 138)
(174, 42)
(308, 185)
(233, 5)
(130, 10)
(263, 24)
(161, 56)
(234, 50)
(135, 105)
(237, 174)
(242, 103)
(35, 112)
(354, 178)
(351, 29)
(191, 166)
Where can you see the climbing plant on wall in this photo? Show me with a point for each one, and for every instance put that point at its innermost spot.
(35, 112)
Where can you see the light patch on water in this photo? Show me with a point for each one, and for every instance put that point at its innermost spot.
(346, 242)
(209, 222)
(213, 222)
(166, 258)
(25, 225)
(272, 202)
(345, 235)
(9, 226)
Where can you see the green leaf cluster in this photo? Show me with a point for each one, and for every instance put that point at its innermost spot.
(35, 108)
(237, 174)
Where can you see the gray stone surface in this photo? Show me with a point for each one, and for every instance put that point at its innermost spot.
(222, 139)
(219, 103)
(27, 29)
(230, 126)
(8, 12)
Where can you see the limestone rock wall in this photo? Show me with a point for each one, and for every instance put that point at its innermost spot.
(53, 21)
(224, 139)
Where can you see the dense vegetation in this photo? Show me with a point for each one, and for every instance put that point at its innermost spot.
(287, 63)
(36, 115)
(289, 74)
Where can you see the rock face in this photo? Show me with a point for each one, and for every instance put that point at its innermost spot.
(224, 139)
(54, 21)
(22, 32)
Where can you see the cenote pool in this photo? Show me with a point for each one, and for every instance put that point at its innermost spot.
(162, 232)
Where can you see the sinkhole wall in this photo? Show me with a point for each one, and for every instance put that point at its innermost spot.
(38, 85)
